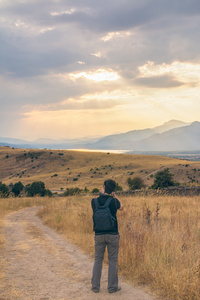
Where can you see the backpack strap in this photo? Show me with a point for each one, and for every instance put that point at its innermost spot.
(107, 203)
(96, 202)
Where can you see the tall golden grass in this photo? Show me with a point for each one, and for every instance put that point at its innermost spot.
(159, 239)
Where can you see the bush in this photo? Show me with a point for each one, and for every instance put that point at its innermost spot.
(4, 191)
(72, 191)
(135, 183)
(48, 193)
(95, 191)
(118, 187)
(86, 190)
(163, 179)
(17, 188)
(36, 188)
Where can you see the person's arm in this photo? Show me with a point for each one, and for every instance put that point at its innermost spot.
(121, 205)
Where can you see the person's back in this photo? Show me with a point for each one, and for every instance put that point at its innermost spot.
(106, 237)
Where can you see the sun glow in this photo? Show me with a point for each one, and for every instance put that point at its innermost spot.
(98, 75)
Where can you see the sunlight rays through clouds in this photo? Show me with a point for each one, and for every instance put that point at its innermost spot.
(79, 67)
(98, 75)
(183, 71)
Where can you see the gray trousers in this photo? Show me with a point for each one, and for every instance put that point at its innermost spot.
(112, 243)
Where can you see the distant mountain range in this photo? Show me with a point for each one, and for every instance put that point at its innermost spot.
(171, 136)
(130, 139)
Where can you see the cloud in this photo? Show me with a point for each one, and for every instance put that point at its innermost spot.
(108, 48)
(183, 71)
(158, 82)
(97, 75)
(59, 34)
(97, 101)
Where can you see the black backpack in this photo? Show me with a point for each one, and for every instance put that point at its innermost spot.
(102, 217)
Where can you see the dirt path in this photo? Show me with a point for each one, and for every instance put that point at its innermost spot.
(41, 264)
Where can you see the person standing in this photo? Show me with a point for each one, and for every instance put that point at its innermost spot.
(106, 235)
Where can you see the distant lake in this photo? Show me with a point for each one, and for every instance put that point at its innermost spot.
(99, 150)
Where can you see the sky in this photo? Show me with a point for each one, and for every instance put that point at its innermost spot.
(90, 68)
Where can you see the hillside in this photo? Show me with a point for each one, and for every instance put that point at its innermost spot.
(67, 168)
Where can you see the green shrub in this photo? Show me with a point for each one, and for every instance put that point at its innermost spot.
(95, 191)
(55, 175)
(118, 187)
(72, 191)
(4, 191)
(86, 189)
(17, 188)
(163, 179)
(36, 188)
(48, 193)
(135, 183)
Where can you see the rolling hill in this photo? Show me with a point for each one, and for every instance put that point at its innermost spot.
(67, 168)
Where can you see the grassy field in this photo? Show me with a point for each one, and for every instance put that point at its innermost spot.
(159, 239)
(60, 169)
(160, 236)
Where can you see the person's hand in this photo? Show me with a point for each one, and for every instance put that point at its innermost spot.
(103, 190)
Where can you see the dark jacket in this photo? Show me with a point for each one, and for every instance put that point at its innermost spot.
(114, 206)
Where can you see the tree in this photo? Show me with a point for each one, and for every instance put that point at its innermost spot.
(36, 188)
(4, 191)
(118, 187)
(163, 179)
(135, 183)
(17, 188)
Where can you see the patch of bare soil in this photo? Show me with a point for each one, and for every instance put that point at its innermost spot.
(41, 264)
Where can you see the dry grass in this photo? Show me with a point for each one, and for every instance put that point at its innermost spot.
(159, 244)
(90, 168)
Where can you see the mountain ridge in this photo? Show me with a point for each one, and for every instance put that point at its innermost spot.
(173, 135)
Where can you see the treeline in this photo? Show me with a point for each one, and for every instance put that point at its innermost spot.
(163, 179)
(30, 190)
